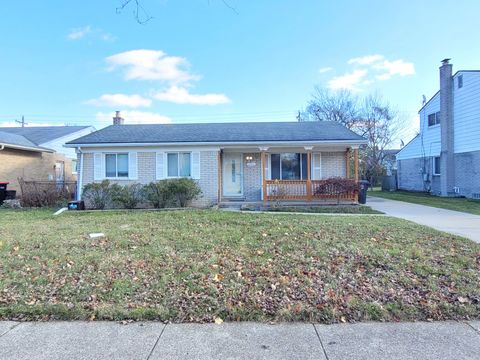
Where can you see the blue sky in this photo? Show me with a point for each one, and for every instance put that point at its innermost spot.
(75, 62)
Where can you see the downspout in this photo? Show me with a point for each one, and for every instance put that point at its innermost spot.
(80, 175)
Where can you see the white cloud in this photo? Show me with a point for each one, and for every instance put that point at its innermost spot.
(88, 31)
(135, 117)
(396, 67)
(181, 95)
(366, 60)
(325, 70)
(369, 69)
(120, 100)
(173, 72)
(152, 65)
(79, 33)
(349, 81)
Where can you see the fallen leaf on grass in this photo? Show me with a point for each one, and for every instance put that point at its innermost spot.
(218, 277)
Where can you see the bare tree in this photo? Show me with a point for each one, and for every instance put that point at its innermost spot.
(370, 117)
(139, 12)
(342, 107)
(380, 124)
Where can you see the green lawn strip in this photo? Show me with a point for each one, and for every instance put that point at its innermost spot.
(458, 204)
(356, 209)
(194, 266)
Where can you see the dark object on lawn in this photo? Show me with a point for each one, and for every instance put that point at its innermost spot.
(10, 194)
(76, 205)
(362, 193)
(389, 183)
(3, 191)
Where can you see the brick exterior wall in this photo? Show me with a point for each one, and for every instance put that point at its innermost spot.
(30, 166)
(333, 164)
(146, 171)
(467, 174)
(208, 179)
(410, 174)
(252, 178)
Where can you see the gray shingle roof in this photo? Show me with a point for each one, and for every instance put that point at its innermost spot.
(42, 134)
(15, 140)
(220, 133)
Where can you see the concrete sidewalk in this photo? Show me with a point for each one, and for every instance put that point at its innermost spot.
(150, 340)
(454, 222)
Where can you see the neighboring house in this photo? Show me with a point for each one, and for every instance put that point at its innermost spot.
(444, 158)
(37, 153)
(230, 161)
(389, 160)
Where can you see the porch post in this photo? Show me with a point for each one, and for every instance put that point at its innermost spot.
(347, 163)
(264, 173)
(219, 175)
(309, 172)
(355, 156)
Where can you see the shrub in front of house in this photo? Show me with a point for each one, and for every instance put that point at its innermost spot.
(184, 191)
(336, 186)
(127, 196)
(157, 194)
(45, 193)
(172, 192)
(98, 195)
(165, 193)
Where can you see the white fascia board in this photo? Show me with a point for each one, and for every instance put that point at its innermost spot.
(19, 147)
(74, 135)
(224, 144)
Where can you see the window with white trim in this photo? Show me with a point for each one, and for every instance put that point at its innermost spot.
(116, 165)
(179, 164)
(436, 165)
(288, 166)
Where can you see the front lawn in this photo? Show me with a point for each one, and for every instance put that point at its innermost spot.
(198, 266)
(458, 204)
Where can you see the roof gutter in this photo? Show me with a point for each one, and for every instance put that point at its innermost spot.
(28, 148)
(225, 143)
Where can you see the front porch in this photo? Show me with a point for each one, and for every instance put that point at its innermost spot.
(297, 175)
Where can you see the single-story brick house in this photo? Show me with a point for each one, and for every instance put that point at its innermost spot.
(36, 153)
(231, 161)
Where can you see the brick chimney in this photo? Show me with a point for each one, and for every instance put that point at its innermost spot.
(447, 159)
(118, 120)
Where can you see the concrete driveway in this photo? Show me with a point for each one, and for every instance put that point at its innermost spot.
(453, 222)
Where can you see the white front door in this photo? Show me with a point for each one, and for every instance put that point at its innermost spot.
(232, 174)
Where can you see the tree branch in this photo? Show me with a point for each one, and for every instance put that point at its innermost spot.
(139, 12)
